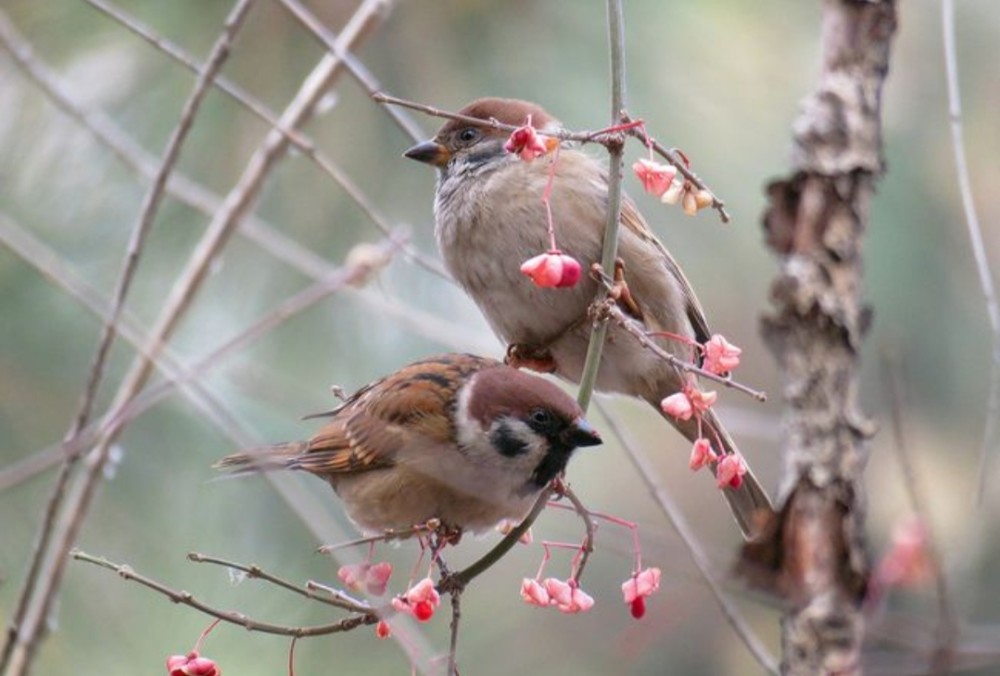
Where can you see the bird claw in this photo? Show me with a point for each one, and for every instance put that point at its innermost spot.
(445, 534)
(520, 355)
(620, 292)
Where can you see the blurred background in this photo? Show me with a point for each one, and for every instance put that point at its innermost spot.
(720, 79)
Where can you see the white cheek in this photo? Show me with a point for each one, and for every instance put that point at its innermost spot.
(484, 468)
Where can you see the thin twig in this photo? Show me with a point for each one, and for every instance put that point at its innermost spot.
(676, 517)
(608, 255)
(947, 626)
(223, 84)
(587, 546)
(387, 536)
(673, 157)
(339, 600)
(992, 425)
(248, 623)
(290, 307)
(623, 124)
(57, 269)
(601, 136)
(609, 251)
(358, 70)
(20, 646)
(302, 142)
(197, 196)
(456, 617)
(613, 312)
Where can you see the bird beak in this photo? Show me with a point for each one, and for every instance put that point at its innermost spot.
(430, 152)
(580, 433)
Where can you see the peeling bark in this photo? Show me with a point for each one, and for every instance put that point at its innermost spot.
(815, 554)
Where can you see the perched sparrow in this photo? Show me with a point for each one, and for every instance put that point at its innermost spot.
(459, 438)
(490, 217)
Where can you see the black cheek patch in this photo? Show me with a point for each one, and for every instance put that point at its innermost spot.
(551, 465)
(507, 443)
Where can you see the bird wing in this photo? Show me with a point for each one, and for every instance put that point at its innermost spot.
(411, 407)
(633, 221)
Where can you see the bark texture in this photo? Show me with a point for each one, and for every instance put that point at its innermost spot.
(815, 555)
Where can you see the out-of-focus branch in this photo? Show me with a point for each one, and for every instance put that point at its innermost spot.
(992, 424)
(23, 637)
(947, 622)
(814, 554)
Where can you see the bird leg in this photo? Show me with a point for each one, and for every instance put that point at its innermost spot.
(531, 357)
(620, 292)
(443, 535)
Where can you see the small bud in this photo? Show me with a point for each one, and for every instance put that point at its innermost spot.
(701, 401)
(701, 454)
(383, 630)
(673, 193)
(730, 471)
(524, 143)
(552, 269)
(533, 593)
(192, 664)
(678, 406)
(721, 356)
(689, 203)
(656, 178)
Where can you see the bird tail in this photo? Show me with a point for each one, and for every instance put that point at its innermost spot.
(263, 459)
(749, 503)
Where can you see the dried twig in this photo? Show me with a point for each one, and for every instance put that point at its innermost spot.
(611, 311)
(624, 123)
(339, 600)
(248, 623)
(587, 546)
(673, 157)
(54, 267)
(992, 424)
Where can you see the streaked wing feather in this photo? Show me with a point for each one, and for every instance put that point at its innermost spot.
(633, 220)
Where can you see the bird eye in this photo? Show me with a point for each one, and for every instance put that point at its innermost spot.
(541, 417)
(468, 135)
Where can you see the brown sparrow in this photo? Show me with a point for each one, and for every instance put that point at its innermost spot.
(490, 217)
(462, 439)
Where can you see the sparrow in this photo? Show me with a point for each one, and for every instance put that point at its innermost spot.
(464, 440)
(489, 217)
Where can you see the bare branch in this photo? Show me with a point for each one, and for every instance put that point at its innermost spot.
(673, 157)
(239, 619)
(611, 310)
(992, 425)
(340, 600)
